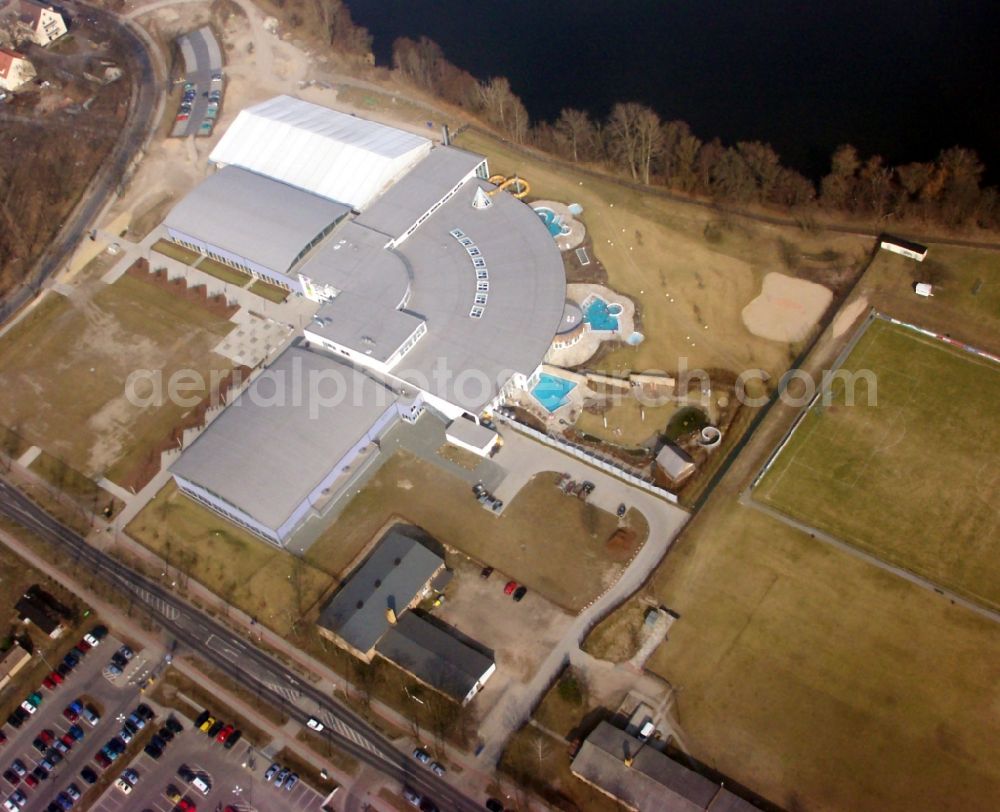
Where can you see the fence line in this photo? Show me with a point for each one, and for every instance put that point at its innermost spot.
(589, 456)
(961, 345)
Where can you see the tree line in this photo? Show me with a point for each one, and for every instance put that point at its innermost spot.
(636, 143)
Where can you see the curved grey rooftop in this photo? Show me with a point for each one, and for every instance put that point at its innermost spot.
(524, 308)
(252, 216)
(525, 300)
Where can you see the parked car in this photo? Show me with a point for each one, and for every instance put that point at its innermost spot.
(145, 712)
(95, 635)
(166, 734)
(83, 646)
(215, 729)
(224, 734)
(438, 768)
(90, 715)
(11, 777)
(519, 593)
(131, 775)
(202, 718)
(231, 741)
(72, 710)
(18, 767)
(621, 510)
(271, 771)
(422, 755)
(486, 572)
(174, 725)
(315, 724)
(411, 796)
(206, 725)
(76, 732)
(73, 791)
(510, 587)
(88, 775)
(153, 751)
(17, 718)
(124, 786)
(291, 781)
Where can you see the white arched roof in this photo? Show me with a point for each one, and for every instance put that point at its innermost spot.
(331, 154)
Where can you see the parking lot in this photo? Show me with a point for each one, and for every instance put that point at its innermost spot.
(203, 76)
(112, 698)
(235, 778)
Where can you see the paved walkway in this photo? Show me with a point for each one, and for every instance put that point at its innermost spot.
(523, 458)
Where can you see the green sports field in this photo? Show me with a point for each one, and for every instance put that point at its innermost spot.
(913, 478)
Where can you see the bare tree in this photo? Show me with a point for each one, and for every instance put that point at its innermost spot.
(503, 108)
(635, 138)
(574, 133)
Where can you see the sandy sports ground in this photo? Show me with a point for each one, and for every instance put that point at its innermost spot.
(787, 308)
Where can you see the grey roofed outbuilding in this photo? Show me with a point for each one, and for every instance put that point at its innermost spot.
(675, 462)
(434, 656)
(390, 578)
(275, 443)
(428, 182)
(654, 782)
(471, 433)
(263, 220)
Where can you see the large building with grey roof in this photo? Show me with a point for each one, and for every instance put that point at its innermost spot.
(430, 281)
(289, 443)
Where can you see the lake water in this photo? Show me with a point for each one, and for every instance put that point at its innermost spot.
(902, 79)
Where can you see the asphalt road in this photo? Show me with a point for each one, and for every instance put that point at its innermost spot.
(244, 664)
(113, 171)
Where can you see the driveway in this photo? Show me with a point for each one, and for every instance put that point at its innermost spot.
(523, 457)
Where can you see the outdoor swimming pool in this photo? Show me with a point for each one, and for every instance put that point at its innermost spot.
(552, 223)
(602, 316)
(551, 391)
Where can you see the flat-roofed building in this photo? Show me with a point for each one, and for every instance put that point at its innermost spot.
(334, 155)
(252, 223)
(290, 443)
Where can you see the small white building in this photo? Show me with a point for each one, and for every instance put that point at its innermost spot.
(15, 70)
(471, 436)
(39, 22)
(905, 248)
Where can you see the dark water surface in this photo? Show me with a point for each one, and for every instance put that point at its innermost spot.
(902, 79)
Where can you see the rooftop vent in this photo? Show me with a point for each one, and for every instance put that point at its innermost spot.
(481, 200)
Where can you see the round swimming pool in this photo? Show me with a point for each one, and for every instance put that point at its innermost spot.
(615, 309)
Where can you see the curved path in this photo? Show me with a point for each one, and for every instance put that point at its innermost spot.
(524, 457)
(135, 134)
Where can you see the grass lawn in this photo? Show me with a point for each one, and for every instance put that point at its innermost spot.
(655, 249)
(564, 706)
(174, 251)
(822, 682)
(267, 291)
(65, 368)
(966, 299)
(272, 585)
(618, 637)
(629, 423)
(912, 480)
(71, 482)
(552, 543)
(224, 272)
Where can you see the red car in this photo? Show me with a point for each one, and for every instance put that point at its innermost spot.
(184, 805)
(70, 713)
(50, 683)
(83, 646)
(56, 677)
(3, 737)
(46, 736)
(68, 740)
(225, 733)
(30, 780)
(102, 761)
(509, 589)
